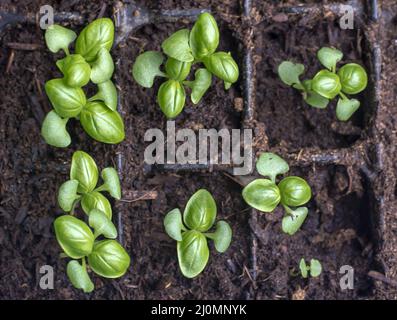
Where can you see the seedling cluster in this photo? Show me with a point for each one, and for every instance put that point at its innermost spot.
(185, 48)
(106, 257)
(191, 234)
(90, 62)
(292, 192)
(328, 83)
(314, 269)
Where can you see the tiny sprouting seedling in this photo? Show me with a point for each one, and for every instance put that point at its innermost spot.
(184, 48)
(314, 268)
(328, 83)
(106, 257)
(191, 234)
(292, 192)
(90, 62)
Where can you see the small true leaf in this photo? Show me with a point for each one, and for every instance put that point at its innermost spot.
(75, 69)
(289, 72)
(200, 211)
(204, 37)
(200, 85)
(107, 93)
(85, 171)
(102, 225)
(147, 67)
(54, 131)
(353, 78)
(294, 191)
(79, 277)
(292, 222)
(112, 182)
(67, 194)
(74, 236)
(315, 268)
(96, 200)
(326, 84)
(223, 66)
(102, 67)
(173, 224)
(177, 70)
(109, 259)
(171, 98)
(177, 46)
(270, 165)
(193, 253)
(67, 101)
(102, 123)
(329, 57)
(58, 37)
(222, 236)
(98, 34)
(345, 108)
(262, 194)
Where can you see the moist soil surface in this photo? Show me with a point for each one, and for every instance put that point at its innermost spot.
(344, 226)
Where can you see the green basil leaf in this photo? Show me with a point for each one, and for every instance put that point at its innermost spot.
(109, 259)
(270, 165)
(58, 37)
(173, 224)
(79, 277)
(193, 253)
(292, 222)
(177, 46)
(112, 182)
(329, 57)
(96, 200)
(54, 131)
(353, 78)
(222, 236)
(303, 268)
(75, 69)
(102, 225)
(102, 67)
(107, 93)
(262, 194)
(66, 101)
(177, 70)
(101, 123)
(289, 72)
(204, 37)
(315, 268)
(315, 100)
(85, 171)
(294, 191)
(345, 108)
(74, 236)
(147, 67)
(67, 195)
(98, 34)
(200, 85)
(200, 211)
(326, 84)
(223, 66)
(171, 98)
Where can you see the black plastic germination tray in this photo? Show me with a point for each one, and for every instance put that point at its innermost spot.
(363, 156)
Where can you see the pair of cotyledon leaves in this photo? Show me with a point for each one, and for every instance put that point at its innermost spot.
(265, 195)
(326, 84)
(92, 60)
(184, 48)
(191, 233)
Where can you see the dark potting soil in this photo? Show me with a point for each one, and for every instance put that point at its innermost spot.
(338, 230)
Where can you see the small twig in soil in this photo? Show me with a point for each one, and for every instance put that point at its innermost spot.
(381, 277)
(102, 11)
(24, 46)
(10, 60)
(133, 196)
(250, 277)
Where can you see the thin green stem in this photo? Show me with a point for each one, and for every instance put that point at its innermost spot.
(343, 96)
(101, 188)
(210, 235)
(74, 205)
(66, 51)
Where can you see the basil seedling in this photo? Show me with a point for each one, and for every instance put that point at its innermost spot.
(191, 234)
(314, 268)
(91, 62)
(183, 49)
(292, 192)
(328, 83)
(106, 258)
